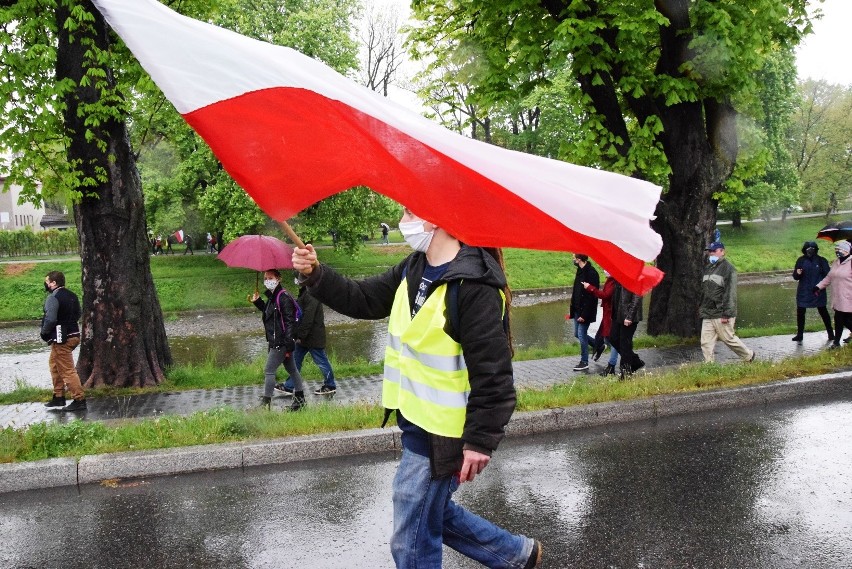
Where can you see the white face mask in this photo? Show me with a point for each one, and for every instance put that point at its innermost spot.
(415, 235)
(270, 284)
(712, 258)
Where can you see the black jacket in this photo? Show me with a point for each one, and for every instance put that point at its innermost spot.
(61, 308)
(311, 329)
(626, 305)
(584, 304)
(481, 334)
(279, 332)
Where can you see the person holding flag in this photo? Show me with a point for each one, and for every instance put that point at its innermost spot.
(448, 376)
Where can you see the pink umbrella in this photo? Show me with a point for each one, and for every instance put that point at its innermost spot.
(258, 252)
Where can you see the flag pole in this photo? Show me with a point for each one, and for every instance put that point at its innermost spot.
(292, 234)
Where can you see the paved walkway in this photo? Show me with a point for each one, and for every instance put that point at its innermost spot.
(533, 373)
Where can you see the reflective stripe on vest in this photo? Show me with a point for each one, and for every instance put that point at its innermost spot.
(425, 372)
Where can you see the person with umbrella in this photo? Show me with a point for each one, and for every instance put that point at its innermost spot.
(385, 231)
(810, 269)
(840, 279)
(279, 322)
(448, 375)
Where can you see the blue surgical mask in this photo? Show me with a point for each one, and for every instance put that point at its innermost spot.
(712, 258)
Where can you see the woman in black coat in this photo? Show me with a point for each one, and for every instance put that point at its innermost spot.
(810, 269)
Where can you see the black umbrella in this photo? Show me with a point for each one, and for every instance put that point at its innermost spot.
(837, 231)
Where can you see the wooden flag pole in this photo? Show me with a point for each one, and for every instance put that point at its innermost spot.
(292, 234)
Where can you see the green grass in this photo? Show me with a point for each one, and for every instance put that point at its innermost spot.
(80, 438)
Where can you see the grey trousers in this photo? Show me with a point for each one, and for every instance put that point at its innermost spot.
(275, 358)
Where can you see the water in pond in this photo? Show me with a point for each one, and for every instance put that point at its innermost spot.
(538, 325)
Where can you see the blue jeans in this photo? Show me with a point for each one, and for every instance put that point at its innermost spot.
(425, 517)
(613, 353)
(581, 332)
(320, 358)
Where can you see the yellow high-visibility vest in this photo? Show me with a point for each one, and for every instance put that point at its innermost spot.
(425, 372)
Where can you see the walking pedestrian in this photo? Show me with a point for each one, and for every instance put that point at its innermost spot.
(310, 339)
(448, 376)
(718, 305)
(602, 337)
(279, 323)
(584, 306)
(810, 269)
(839, 277)
(385, 231)
(60, 330)
(188, 242)
(626, 315)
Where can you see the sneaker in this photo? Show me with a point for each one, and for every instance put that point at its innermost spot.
(581, 366)
(56, 402)
(299, 402)
(283, 389)
(76, 405)
(799, 338)
(325, 390)
(535, 556)
(265, 403)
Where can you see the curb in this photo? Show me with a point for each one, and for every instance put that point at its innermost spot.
(58, 472)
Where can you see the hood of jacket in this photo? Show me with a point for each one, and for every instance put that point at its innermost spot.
(471, 264)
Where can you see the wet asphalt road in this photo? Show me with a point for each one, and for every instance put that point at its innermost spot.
(766, 488)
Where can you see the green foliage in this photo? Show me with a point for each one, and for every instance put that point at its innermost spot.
(820, 141)
(27, 242)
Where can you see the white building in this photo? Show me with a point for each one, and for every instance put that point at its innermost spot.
(14, 216)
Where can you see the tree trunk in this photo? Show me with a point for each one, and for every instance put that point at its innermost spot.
(737, 220)
(123, 337)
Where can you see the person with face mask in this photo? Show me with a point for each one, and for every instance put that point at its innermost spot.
(280, 313)
(840, 278)
(448, 378)
(59, 329)
(810, 269)
(717, 307)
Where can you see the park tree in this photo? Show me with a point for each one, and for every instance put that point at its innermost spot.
(820, 142)
(64, 119)
(661, 87)
(765, 179)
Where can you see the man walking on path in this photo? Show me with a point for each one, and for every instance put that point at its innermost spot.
(310, 339)
(718, 305)
(448, 376)
(584, 306)
(59, 329)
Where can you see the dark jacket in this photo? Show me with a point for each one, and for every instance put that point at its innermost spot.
(279, 331)
(584, 304)
(814, 269)
(61, 308)
(311, 329)
(718, 290)
(481, 334)
(626, 305)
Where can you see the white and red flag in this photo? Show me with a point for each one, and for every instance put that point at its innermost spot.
(179, 235)
(292, 131)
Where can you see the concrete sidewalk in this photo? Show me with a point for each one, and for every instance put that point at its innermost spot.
(528, 374)
(536, 373)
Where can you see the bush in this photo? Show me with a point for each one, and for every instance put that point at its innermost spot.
(24, 242)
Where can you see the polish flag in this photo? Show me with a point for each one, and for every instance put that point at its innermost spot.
(292, 131)
(179, 235)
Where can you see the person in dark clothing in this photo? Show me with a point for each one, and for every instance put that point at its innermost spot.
(188, 242)
(310, 339)
(448, 375)
(279, 323)
(169, 242)
(810, 269)
(584, 306)
(626, 315)
(59, 328)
